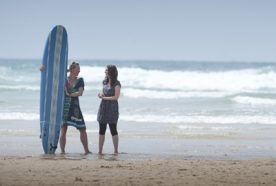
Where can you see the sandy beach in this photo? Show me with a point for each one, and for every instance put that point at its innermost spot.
(30, 171)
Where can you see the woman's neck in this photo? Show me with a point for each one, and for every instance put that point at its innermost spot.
(72, 77)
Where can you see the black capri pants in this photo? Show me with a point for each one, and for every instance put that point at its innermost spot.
(112, 127)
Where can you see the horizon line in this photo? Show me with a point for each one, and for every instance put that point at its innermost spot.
(149, 60)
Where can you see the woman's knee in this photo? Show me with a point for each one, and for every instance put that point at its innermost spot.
(63, 130)
(113, 129)
(102, 127)
(82, 131)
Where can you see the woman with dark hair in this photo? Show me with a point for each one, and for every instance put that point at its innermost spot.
(72, 114)
(109, 109)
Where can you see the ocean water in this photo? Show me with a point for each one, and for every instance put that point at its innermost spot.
(190, 108)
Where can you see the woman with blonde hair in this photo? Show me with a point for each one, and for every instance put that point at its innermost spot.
(72, 114)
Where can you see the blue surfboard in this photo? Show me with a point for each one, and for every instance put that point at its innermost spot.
(53, 78)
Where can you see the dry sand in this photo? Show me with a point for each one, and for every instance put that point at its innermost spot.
(57, 171)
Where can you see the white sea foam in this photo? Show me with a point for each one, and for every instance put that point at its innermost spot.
(236, 119)
(235, 80)
(18, 116)
(19, 87)
(92, 74)
(209, 128)
(167, 119)
(201, 119)
(175, 83)
(162, 94)
(137, 82)
(7, 74)
(245, 97)
(254, 100)
(23, 132)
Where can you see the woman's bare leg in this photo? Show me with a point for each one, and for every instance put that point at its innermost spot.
(62, 139)
(84, 141)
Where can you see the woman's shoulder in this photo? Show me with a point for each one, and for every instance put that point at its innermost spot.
(80, 82)
(117, 83)
(80, 79)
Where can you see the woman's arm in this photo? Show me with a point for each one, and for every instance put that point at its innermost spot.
(115, 97)
(79, 93)
(66, 91)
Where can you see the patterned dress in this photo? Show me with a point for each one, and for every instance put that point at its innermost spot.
(72, 113)
(109, 110)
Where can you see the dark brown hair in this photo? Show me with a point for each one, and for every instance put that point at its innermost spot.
(113, 73)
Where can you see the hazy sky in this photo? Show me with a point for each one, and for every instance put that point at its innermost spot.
(200, 30)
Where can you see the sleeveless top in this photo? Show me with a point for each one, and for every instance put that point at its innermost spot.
(108, 110)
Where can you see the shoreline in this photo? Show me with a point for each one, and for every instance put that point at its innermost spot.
(22, 138)
(21, 170)
(125, 156)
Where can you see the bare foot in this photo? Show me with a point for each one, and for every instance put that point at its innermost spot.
(86, 153)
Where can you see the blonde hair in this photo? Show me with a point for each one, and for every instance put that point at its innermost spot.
(73, 66)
